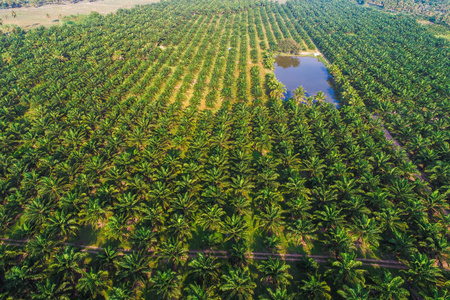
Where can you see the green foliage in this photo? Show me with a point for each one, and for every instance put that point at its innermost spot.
(156, 135)
(288, 46)
(437, 11)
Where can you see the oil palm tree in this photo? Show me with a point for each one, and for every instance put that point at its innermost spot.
(119, 292)
(277, 89)
(93, 284)
(368, 232)
(278, 294)
(315, 289)
(238, 284)
(93, 213)
(117, 227)
(359, 292)
(134, 268)
(47, 290)
(401, 244)
(167, 285)
(234, 228)
(271, 219)
(174, 251)
(320, 97)
(197, 292)
(346, 270)
(62, 223)
(275, 272)
(204, 269)
(36, 212)
(422, 272)
(330, 217)
(338, 241)
(299, 94)
(107, 259)
(179, 227)
(143, 238)
(238, 253)
(302, 232)
(41, 248)
(68, 264)
(390, 288)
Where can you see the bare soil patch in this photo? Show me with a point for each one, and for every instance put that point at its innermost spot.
(47, 15)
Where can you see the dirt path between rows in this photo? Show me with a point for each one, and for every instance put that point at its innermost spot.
(391, 264)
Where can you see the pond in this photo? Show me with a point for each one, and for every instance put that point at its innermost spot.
(308, 72)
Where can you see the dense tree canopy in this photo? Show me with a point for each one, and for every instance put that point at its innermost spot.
(148, 154)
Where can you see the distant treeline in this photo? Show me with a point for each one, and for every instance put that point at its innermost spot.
(22, 3)
(438, 11)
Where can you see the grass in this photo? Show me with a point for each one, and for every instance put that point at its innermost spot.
(437, 30)
(48, 15)
(86, 236)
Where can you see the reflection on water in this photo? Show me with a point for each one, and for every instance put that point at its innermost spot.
(308, 72)
(287, 61)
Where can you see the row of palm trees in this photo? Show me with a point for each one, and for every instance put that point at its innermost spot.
(110, 275)
(399, 70)
(435, 11)
(305, 202)
(98, 149)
